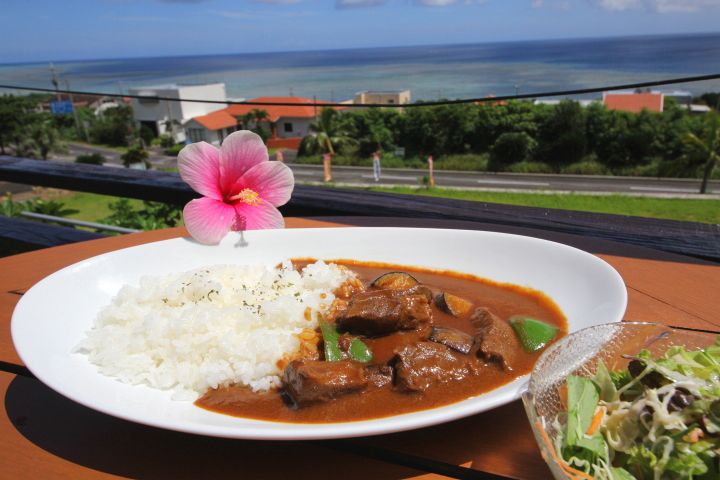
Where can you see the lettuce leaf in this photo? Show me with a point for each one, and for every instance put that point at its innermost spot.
(583, 398)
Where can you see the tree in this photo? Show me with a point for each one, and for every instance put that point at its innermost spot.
(113, 127)
(328, 135)
(134, 155)
(16, 113)
(45, 136)
(372, 128)
(253, 121)
(562, 136)
(705, 145)
(509, 148)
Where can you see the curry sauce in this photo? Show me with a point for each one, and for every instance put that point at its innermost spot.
(504, 300)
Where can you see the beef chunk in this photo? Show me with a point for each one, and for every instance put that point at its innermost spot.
(453, 338)
(422, 365)
(495, 338)
(379, 312)
(379, 375)
(310, 381)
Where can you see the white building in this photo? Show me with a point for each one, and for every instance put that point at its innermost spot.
(158, 115)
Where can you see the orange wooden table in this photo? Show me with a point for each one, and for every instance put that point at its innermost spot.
(43, 435)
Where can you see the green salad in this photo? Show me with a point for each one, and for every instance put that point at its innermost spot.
(657, 419)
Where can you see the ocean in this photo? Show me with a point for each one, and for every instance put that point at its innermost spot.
(430, 72)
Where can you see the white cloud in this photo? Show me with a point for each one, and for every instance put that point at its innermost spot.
(435, 3)
(445, 3)
(240, 14)
(277, 2)
(358, 3)
(659, 6)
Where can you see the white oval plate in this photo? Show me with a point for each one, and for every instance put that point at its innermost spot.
(52, 316)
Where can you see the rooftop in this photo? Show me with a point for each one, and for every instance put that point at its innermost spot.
(277, 111)
(216, 120)
(634, 102)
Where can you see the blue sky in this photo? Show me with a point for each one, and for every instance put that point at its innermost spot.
(53, 30)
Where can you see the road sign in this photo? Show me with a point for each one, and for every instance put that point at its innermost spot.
(61, 107)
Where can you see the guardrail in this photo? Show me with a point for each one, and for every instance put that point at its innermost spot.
(688, 238)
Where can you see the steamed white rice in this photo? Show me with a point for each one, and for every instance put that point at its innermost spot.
(210, 327)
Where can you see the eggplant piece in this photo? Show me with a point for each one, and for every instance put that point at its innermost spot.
(452, 338)
(452, 304)
(395, 281)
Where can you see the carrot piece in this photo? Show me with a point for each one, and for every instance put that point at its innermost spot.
(563, 394)
(596, 420)
(573, 473)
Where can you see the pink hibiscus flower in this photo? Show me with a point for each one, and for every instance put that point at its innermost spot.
(241, 188)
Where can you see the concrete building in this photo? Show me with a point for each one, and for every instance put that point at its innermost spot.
(384, 97)
(162, 116)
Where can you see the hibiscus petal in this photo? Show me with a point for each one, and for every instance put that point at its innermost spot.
(208, 220)
(273, 181)
(199, 167)
(258, 217)
(239, 152)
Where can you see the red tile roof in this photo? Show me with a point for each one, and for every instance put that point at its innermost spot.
(276, 111)
(634, 102)
(216, 120)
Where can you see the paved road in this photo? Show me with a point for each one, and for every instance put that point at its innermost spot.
(363, 176)
(509, 181)
(157, 158)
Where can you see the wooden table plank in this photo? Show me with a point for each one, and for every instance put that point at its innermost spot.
(662, 287)
(44, 435)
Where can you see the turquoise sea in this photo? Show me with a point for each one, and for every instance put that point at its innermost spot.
(430, 72)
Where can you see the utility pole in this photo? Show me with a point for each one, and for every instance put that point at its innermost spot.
(75, 114)
(55, 81)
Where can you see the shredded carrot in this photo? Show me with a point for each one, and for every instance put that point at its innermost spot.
(596, 420)
(563, 395)
(573, 473)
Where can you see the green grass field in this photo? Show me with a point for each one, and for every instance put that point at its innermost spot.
(92, 207)
(692, 210)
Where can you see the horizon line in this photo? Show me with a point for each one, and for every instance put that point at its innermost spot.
(490, 42)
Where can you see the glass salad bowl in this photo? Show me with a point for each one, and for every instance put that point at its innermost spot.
(551, 406)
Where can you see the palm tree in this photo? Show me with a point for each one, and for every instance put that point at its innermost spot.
(45, 137)
(706, 145)
(327, 134)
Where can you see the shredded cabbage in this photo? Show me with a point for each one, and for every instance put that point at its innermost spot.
(660, 419)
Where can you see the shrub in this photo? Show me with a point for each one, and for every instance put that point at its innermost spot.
(467, 162)
(165, 141)
(135, 154)
(174, 150)
(651, 169)
(91, 159)
(587, 166)
(152, 216)
(509, 148)
(529, 167)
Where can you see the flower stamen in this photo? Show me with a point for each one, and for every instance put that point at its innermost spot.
(249, 196)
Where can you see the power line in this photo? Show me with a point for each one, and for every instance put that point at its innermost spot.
(559, 93)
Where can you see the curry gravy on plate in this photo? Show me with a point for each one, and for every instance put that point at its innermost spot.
(502, 300)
